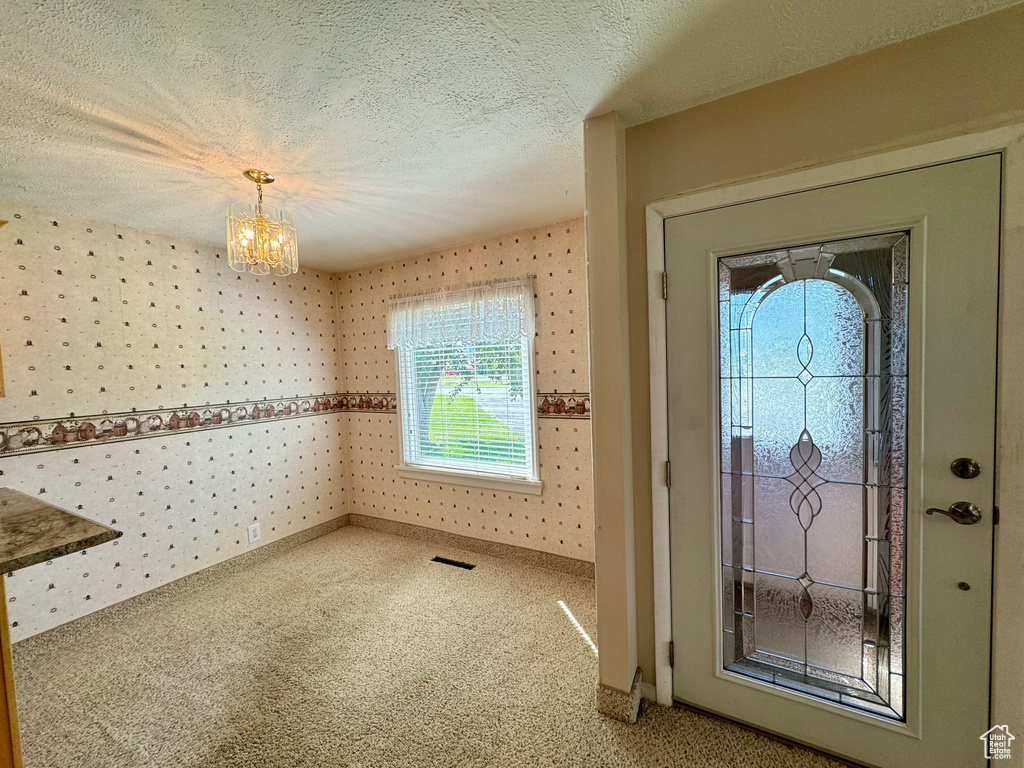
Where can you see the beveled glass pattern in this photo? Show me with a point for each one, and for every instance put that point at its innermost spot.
(813, 367)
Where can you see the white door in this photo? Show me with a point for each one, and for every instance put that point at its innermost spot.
(831, 354)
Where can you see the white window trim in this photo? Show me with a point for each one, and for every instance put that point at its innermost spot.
(473, 479)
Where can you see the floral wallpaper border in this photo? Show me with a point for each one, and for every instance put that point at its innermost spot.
(77, 431)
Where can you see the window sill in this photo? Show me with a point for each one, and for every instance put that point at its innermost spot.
(474, 479)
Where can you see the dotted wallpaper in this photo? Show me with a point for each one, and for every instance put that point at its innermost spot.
(98, 317)
(151, 388)
(561, 519)
(110, 334)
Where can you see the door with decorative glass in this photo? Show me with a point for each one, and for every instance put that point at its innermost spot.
(817, 592)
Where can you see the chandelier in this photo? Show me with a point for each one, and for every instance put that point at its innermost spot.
(261, 240)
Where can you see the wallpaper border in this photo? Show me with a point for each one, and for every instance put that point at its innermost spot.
(38, 435)
(73, 431)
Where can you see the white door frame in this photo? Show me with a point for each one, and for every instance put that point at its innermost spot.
(1008, 613)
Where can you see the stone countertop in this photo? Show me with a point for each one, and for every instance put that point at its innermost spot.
(32, 531)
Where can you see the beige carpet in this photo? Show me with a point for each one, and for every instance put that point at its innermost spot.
(354, 650)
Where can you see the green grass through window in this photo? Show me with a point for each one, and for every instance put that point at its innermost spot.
(490, 441)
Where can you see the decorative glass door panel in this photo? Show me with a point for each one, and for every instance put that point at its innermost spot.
(813, 376)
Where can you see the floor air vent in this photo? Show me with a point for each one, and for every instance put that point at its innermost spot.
(456, 563)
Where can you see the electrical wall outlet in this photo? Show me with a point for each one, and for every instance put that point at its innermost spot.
(254, 533)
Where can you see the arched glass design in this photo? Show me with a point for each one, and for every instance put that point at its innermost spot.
(813, 377)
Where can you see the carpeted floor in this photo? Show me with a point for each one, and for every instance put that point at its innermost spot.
(354, 650)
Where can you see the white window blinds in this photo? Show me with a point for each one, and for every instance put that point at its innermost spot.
(464, 365)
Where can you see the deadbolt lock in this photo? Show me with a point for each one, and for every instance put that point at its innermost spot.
(965, 468)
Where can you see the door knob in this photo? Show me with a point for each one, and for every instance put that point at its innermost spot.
(962, 512)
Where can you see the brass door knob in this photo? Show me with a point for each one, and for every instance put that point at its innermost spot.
(962, 512)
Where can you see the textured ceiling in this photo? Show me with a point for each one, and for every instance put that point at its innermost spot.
(393, 127)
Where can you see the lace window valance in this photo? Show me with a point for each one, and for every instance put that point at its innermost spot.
(483, 313)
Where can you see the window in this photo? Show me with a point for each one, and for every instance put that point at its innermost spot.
(814, 418)
(465, 383)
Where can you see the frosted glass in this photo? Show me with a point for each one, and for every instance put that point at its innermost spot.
(776, 529)
(780, 630)
(813, 425)
(835, 325)
(728, 596)
(835, 416)
(835, 551)
(778, 420)
(777, 332)
(834, 630)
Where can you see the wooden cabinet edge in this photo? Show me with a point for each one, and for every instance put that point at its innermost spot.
(10, 735)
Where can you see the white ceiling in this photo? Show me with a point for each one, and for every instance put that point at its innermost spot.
(393, 127)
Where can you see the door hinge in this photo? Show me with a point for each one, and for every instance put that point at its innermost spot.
(664, 285)
(995, 515)
(672, 653)
(668, 474)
